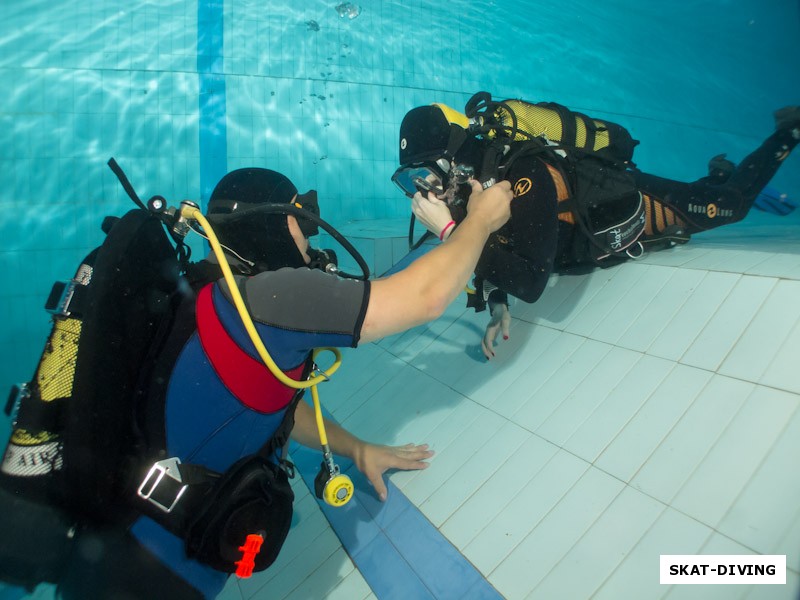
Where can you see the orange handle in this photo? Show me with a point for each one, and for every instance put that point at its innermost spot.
(251, 547)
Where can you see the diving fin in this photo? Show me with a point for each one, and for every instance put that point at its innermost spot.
(772, 201)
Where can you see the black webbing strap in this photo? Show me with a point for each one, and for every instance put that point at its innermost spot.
(569, 129)
(67, 299)
(126, 185)
(591, 130)
(38, 416)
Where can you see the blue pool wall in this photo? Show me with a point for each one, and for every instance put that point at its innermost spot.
(181, 92)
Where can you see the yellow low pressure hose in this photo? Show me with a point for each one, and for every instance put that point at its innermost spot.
(323, 437)
(193, 213)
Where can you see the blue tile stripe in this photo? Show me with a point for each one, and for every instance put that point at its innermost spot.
(213, 106)
(398, 551)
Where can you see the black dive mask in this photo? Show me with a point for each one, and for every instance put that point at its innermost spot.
(422, 177)
(447, 181)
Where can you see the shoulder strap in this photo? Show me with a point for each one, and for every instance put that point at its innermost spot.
(535, 147)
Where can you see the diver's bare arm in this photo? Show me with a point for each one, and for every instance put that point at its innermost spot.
(305, 432)
(422, 291)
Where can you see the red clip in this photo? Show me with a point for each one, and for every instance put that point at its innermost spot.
(252, 546)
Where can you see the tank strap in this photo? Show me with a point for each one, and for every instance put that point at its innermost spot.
(591, 130)
(569, 128)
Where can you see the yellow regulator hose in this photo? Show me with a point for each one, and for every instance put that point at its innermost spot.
(193, 213)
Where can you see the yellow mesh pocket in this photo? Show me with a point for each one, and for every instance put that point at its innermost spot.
(57, 367)
(540, 121)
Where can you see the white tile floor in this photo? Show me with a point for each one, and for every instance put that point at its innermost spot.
(647, 409)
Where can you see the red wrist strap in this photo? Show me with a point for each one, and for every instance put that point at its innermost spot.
(444, 230)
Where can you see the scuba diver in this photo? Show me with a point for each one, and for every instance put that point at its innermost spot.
(221, 408)
(579, 200)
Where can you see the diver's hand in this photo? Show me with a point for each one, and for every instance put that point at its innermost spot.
(433, 213)
(492, 204)
(500, 321)
(374, 460)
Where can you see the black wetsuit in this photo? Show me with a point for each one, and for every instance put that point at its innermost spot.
(519, 258)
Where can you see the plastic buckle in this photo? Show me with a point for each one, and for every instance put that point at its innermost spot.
(164, 472)
(60, 297)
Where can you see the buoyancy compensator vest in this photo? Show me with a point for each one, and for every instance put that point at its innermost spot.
(37, 534)
(88, 438)
(594, 158)
(73, 428)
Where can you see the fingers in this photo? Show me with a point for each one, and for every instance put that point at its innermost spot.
(411, 456)
(505, 321)
(487, 343)
(376, 479)
(486, 347)
(415, 203)
(500, 321)
(431, 212)
(380, 459)
(492, 204)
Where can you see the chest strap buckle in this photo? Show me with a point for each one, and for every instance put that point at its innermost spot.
(163, 486)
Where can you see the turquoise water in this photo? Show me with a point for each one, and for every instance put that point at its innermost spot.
(179, 99)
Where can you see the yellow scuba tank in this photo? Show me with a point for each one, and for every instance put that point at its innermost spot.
(34, 448)
(521, 120)
(545, 120)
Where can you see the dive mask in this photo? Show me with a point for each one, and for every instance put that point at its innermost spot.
(441, 178)
(422, 177)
